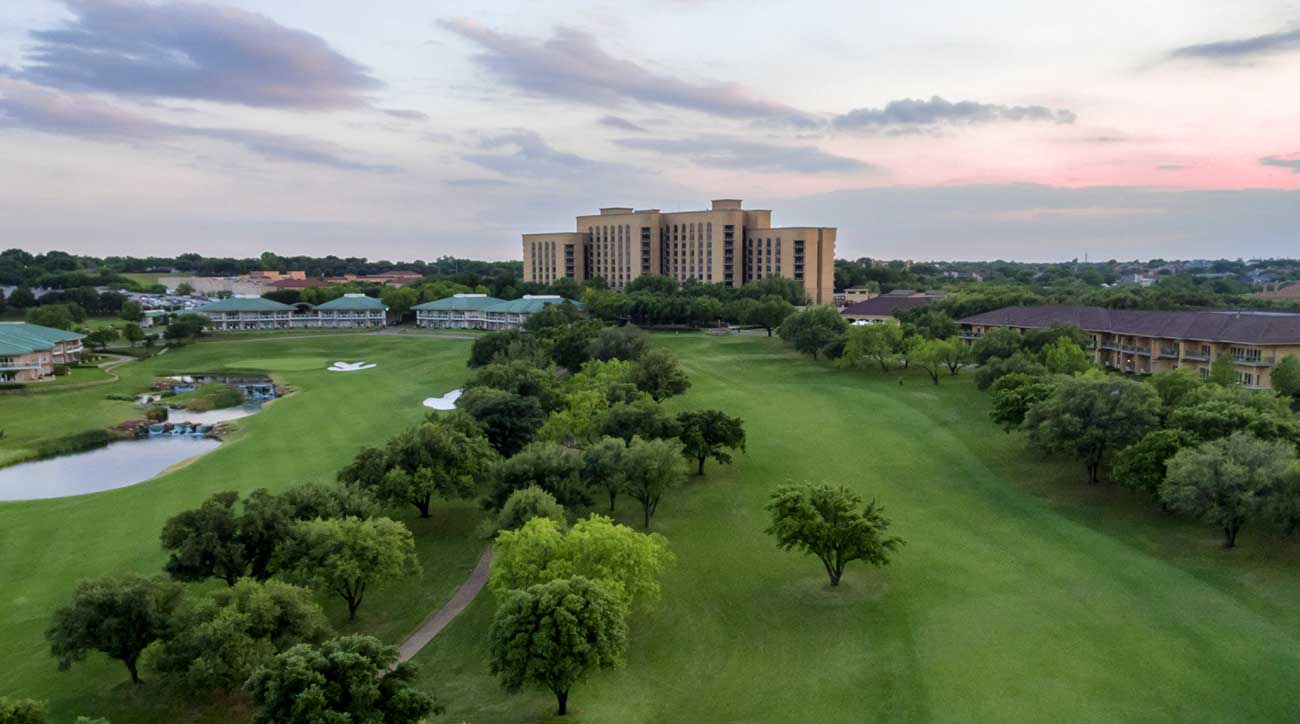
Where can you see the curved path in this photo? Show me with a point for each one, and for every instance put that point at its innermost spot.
(439, 619)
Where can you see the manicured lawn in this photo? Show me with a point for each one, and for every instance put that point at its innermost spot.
(46, 546)
(1021, 595)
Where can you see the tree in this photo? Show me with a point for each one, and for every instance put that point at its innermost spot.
(1036, 340)
(133, 333)
(526, 378)
(58, 316)
(555, 634)
(184, 289)
(1227, 482)
(1210, 412)
(872, 341)
(218, 641)
(577, 423)
(997, 342)
(638, 418)
(768, 313)
(22, 298)
(433, 459)
(1091, 416)
(1063, 357)
(909, 348)
(509, 420)
(344, 679)
(571, 345)
(546, 465)
(1286, 376)
(812, 329)
(930, 354)
(998, 367)
(830, 522)
(131, 312)
(101, 338)
(596, 548)
(928, 323)
(1173, 385)
(399, 300)
(185, 326)
(625, 343)
(650, 469)
(1013, 395)
(503, 346)
(1223, 371)
(704, 434)
(523, 506)
(21, 711)
(204, 543)
(348, 556)
(602, 466)
(1143, 465)
(659, 375)
(116, 615)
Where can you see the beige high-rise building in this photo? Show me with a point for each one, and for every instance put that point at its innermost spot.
(723, 245)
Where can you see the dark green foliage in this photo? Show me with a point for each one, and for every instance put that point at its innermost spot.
(625, 343)
(185, 326)
(652, 468)
(1142, 465)
(1211, 412)
(345, 680)
(555, 634)
(524, 505)
(1173, 385)
(997, 342)
(522, 378)
(571, 346)
(709, 433)
(830, 522)
(118, 616)
(998, 367)
(1223, 371)
(58, 316)
(928, 322)
(21, 711)
(768, 313)
(1013, 395)
(1091, 417)
(550, 466)
(1286, 376)
(659, 375)
(512, 344)
(508, 420)
(638, 418)
(1038, 339)
(812, 329)
(203, 542)
(602, 467)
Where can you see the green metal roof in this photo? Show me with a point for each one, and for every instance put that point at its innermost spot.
(529, 305)
(24, 338)
(460, 303)
(245, 304)
(353, 301)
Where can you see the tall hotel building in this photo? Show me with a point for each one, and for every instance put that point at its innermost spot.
(724, 245)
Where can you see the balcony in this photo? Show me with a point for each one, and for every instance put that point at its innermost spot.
(9, 365)
(1196, 357)
(1169, 352)
(1134, 349)
(1254, 361)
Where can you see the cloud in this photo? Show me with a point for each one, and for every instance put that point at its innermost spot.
(1291, 162)
(910, 115)
(193, 51)
(477, 183)
(521, 153)
(25, 105)
(1241, 49)
(570, 65)
(738, 154)
(621, 124)
(405, 114)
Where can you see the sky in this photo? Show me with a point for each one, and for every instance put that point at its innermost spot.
(402, 130)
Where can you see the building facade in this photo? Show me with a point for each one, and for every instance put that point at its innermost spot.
(726, 244)
(29, 352)
(479, 311)
(1143, 342)
(239, 314)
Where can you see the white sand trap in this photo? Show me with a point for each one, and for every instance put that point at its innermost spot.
(349, 367)
(446, 402)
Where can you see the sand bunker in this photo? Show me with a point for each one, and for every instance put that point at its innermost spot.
(349, 367)
(446, 402)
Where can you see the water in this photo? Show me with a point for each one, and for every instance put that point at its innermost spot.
(116, 466)
(212, 417)
(446, 402)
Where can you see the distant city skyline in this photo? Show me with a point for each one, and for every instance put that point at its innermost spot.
(1006, 129)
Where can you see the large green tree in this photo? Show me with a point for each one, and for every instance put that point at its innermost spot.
(547, 465)
(349, 556)
(523, 506)
(1092, 416)
(1227, 482)
(602, 467)
(116, 615)
(1286, 376)
(659, 375)
(621, 343)
(1014, 394)
(1063, 357)
(997, 342)
(431, 460)
(1142, 465)
(344, 680)
(204, 543)
(813, 329)
(651, 468)
(830, 522)
(768, 313)
(555, 634)
(709, 434)
(21, 711)
(871, 342)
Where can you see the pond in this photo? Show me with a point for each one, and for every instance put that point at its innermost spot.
(116, 466)
(212, 417)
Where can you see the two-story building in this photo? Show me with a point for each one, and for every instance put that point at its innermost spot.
(1142, 342)
(29, 352)
(479, 311)
(351, 310)
(257, 313)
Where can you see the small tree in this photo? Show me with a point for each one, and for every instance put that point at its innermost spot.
(659, 375)
(21, 711)
(344, 679)
(602, 467)
(871, 342)
(830, 522)
(1013, 395)
(651, 468)
(525, 505)
(116, 615)
(811, 330)
(1091, 416)
(1286, 376)
(1223, 371)
(547, 465)
(204, 541)
(1062, 356)
(997, 342)
(768, 313)
(705, 434)
(348, 556)
(100, 338)
(930, 354)
(184, 289)
(1227, 482)
(625, 343)
(555, 634)
(185, 326)
(131, 312)
(132, 333)
(509, 420)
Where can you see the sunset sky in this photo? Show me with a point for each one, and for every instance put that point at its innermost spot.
(402, 130)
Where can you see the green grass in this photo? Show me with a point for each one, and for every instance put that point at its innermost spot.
(148, 279)
(1022, 595)
(46, 546)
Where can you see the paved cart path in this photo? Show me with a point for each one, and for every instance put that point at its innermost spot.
(439, 619)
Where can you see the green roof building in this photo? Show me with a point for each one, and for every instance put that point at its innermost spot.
(479, 311)
(258, 313)
(29, 352)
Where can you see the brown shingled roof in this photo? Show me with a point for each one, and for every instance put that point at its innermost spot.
(1223, 326)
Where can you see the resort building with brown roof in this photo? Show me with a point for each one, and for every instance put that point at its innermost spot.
(1143, 342)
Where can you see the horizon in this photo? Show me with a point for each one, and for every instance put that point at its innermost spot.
(1010, 131)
